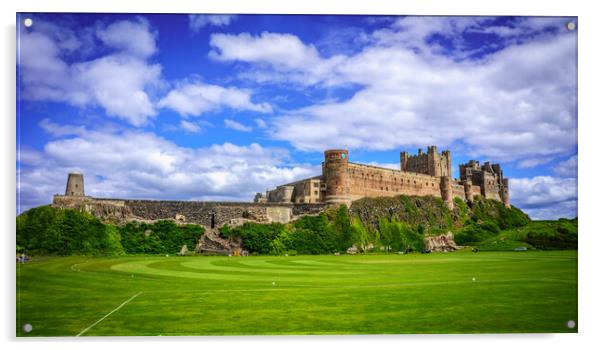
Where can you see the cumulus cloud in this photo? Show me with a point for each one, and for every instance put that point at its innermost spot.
(133, 164)
(284, 53)
(133, 38)
(120, 82)
(232, 124)
(197, 22)
(194, 99)
(518, 103)
(545, 197)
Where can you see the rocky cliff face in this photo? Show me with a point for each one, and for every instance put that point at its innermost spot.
(441, 243)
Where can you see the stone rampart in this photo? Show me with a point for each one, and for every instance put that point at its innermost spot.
(209, 214)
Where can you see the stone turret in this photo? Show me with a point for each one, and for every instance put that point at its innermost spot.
(75, 185)
(468, 189)
(446, 191)
(335, 176)
(505, 194)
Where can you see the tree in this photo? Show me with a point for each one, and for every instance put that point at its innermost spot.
(342, 228)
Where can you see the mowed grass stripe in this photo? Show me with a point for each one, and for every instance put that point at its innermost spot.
(373, 294)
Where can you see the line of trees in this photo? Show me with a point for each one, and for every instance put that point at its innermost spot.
(48, 230)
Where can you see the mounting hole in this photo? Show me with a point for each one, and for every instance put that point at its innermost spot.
(570, 324)
(27, 22)
(27, 328)
(571, 26)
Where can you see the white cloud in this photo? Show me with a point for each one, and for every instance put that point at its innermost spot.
(194, 99)
(131, 164)
(121, 83)
(567, 168)
(545, 197)
(285, 53)
(197, 22)
(190, 126)
(130, 37)
(57, 130)
(517, 104)
(118, 84)
(232, 124)
(533, 162)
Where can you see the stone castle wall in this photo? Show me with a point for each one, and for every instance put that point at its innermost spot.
(210, 214)
(370, 181)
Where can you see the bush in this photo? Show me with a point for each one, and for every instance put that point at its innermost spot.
(256, 238)
(161, 237)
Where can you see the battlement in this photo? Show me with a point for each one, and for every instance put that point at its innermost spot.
(431, 163)
(489, 177)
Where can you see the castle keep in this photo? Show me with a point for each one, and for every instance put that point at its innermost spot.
(422, 174)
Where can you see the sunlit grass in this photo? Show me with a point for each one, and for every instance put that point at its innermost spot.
(458, 292)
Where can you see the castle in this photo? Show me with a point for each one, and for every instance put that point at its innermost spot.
(341, 182)
(422, 174)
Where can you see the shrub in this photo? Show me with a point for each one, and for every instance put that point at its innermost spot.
(256, 238)
(163, 236)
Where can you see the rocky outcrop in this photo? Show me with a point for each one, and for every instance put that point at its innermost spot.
(441, 243)
(211, 242)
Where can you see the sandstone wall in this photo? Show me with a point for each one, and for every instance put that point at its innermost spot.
(371, 181)
(458, 190)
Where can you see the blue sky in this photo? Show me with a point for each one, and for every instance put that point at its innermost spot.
(218, 107)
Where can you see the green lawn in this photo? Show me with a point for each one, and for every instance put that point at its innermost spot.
(374, 294)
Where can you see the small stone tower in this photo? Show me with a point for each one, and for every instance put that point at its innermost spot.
(335, 176)
(505, 194)
(468, 189)
(446, 191)
(75, 185)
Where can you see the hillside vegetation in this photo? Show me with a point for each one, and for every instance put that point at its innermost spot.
(371, 225)
(48, 230)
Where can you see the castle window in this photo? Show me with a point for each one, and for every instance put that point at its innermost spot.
(75, 185)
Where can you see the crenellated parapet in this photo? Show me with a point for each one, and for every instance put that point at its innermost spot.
(430, 163)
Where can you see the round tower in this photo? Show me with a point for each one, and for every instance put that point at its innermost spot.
(75, 185)
(334, 172)
(446, 191)
(287, 194)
